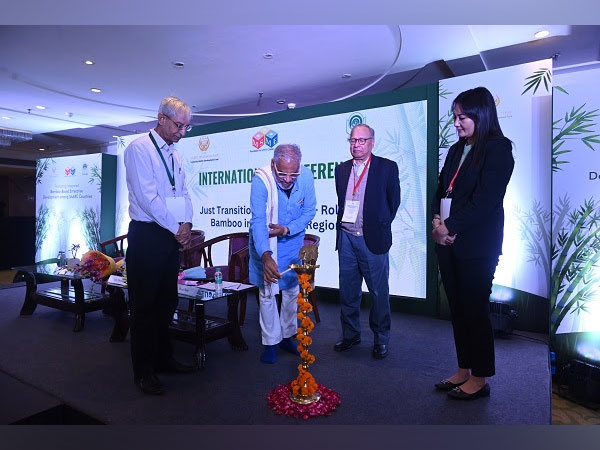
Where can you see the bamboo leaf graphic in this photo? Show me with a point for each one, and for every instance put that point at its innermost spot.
(558, 88)
(543, 74)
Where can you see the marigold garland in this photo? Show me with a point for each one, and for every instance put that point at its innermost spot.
(279, 399)
(304, 385)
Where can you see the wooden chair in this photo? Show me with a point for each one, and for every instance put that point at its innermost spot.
(190, 257)
(237, 267)
(114, 247)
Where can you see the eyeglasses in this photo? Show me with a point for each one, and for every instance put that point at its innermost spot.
(360, 141)
(179, 126)
(292, 175)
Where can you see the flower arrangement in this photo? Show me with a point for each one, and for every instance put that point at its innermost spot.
(96, 265)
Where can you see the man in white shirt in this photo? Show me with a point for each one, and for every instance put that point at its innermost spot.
(160, 209)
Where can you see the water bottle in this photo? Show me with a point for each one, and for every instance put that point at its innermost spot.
(218, 282)
(62, 259)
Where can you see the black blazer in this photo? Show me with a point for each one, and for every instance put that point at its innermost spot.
(382, 199)
(476, 212)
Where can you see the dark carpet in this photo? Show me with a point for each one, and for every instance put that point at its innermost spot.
(88, 373)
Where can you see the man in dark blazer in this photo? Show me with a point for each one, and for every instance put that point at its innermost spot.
(368, 191)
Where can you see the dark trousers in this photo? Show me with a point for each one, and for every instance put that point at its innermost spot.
(152, 267)
(356, 262)
(468, 285)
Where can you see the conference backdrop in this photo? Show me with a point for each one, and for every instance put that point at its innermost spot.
(575, 293)
(523, 96)
(74, 204)
(219, 168)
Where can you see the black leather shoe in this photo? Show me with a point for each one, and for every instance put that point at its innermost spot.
(446, 385)
(174, 366)
(380, 351)
(345, 344)
(151, 385)
(459, 394)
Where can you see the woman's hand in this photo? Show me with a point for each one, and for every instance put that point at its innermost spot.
(440, 233)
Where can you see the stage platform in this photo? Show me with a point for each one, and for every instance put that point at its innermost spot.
(83, 378)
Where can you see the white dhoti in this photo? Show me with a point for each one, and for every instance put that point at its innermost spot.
(273, 325)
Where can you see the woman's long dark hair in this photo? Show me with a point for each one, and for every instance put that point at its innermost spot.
(478, 105)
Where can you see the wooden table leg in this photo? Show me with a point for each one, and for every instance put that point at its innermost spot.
(30, 302)
(200, 335)
(236, 340)
(79, 304)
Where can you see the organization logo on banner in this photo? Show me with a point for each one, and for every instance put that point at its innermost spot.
(203, 143)
(69, 171)
(497, 100)
(353, 120)
(265, 137)
(84, 169)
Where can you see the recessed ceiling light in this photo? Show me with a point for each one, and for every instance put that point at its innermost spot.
(40, 107)
(178, 64)
(541, 34)
(96, 90)
(89, 62)
(268, 55)
(346, 75)
(291, 105)
(42, 149)
(280, 102)
(6, 117)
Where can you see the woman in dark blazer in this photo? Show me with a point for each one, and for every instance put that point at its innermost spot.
(468, 227)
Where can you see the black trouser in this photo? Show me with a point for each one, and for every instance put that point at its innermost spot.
(468, 285)
(152, 267)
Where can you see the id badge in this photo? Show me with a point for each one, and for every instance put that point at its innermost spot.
(176, 206)
(351, 211)
(445, 208)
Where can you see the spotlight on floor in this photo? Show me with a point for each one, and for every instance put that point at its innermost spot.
(502, 318)
(584, 381)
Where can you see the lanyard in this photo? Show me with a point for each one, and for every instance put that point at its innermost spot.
(451, 185)
(171, 177)
(357, 183)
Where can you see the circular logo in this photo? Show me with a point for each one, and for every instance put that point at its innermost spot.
(355, 119)
(203, 143)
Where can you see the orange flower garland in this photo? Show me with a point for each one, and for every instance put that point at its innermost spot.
(304, 385)
(290, 399)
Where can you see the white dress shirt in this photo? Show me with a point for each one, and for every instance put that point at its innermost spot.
(149, 185)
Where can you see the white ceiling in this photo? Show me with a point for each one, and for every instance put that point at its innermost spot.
(225, 70)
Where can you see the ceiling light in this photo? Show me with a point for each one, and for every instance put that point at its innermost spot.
(291, 105)
(178, 64)
(346, 75)
(280, 102)
(541, 34)
(40, 107)
(268, 55)
(96, 90)
(6, 117)
(42, 149)
(89, 62)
